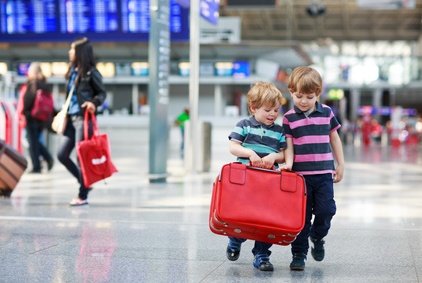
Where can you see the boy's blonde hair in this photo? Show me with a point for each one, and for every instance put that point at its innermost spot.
(305, 80)
(263, 93)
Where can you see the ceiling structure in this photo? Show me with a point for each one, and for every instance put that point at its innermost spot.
(342, 20)
(276, 32)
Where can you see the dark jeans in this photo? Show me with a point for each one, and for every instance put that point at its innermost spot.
(260, 249)
(34, 130)
(321, 204)
(72, 135)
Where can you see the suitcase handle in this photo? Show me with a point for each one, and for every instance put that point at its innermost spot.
(263, 169)
(287, 179)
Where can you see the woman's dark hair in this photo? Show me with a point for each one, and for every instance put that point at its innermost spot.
(84, 57)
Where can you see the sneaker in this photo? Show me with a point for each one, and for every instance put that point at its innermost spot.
(78, 202)
(263, 264)
(298, 262)
(317, 251)
(50, 164)
(232, 254)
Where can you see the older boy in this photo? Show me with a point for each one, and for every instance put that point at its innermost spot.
(312, 139)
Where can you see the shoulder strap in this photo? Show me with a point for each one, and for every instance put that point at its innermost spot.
(67, 102)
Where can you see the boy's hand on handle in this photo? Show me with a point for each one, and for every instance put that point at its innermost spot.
(285, 167)
(259, 162)
(268, 161)
(90, 107)
(255, 160)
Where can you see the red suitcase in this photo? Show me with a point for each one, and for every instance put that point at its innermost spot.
(12, 167)
(258, 204)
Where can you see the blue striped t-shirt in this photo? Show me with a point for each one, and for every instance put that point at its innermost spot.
(259, 137)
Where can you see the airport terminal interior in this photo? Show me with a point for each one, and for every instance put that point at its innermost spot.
(145, 224)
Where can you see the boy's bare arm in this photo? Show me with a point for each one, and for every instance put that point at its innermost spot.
(270, 159)
(288, 155)
(281, 158)
(337, 147)
(238, 150)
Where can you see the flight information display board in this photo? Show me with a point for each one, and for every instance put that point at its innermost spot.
(100, 20)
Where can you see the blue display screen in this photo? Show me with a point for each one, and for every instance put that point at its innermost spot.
(209, 10)
(100, 20)
(22, 69)
(241, 69)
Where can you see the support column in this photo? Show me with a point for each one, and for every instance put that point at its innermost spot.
(376, 100)
(135, 99)
(191, 155)
(418, 54)
(355, 103)
(218, 100)
(158, 89)
(392, 97)
(418, 50)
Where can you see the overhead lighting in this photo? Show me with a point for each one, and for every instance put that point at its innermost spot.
(315, 9)
(386, 4)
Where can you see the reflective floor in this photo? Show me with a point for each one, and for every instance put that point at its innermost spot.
(134, 231)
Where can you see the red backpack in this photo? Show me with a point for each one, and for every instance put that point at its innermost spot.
(43, 107)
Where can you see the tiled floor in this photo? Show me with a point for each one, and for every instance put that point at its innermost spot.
(134, 231)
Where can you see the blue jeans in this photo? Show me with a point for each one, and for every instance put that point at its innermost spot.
(321, 204)
(260, 249)
(72, 135)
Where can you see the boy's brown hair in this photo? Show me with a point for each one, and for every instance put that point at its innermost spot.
(263, 93)
(305, 80)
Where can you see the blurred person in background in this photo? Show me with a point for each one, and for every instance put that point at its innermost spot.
(366, 130)
(376, 130)
(180, 122)
(35, 128)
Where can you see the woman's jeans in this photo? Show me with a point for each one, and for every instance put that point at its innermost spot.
(72, 135)
(34, 130)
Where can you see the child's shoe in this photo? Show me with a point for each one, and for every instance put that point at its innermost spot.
(298, 262)
(317, 251)
(233, 248)
(232, 254)
(263, 263)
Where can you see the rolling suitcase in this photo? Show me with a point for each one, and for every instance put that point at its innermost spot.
(12, 167)
(258, 204)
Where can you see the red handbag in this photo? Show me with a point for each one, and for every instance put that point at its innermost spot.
(94, 154)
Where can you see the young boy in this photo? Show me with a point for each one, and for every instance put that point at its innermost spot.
(312, 139)
(258, 141)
